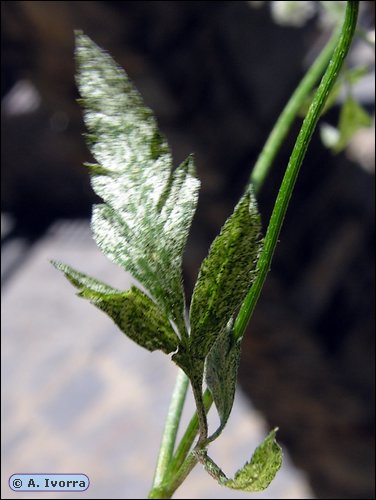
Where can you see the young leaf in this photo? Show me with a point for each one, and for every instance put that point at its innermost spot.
(225, 275)
(224, 279)
(144, 223)
(221, 373)
(133, 312)
(257, 474)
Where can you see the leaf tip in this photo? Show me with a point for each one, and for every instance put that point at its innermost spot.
(57, 264)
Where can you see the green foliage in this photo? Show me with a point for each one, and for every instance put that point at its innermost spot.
(224, 279)
(144, 223)
(225, 275)
(143, 226)
(257, 474)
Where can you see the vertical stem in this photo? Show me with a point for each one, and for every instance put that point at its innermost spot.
(293, 167)
(189, 436)
(171, 428)
(201, 413)
(189, 463)
(286, 118)
(258, 176)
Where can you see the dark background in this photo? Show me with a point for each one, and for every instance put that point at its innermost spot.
(217, 75)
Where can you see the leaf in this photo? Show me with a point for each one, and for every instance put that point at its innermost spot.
(352, 118)
(82, 281)
(224, 279)
(144, 223)
(225, 276)
(132, 311)
(221, 373)
(354, 75)
(257, 474)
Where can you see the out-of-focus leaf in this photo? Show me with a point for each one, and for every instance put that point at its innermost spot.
(352, 118)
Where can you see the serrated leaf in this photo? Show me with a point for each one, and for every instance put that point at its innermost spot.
(225, 276)
(221, 373)
(132, 311)
(257, 474)
(144, 223)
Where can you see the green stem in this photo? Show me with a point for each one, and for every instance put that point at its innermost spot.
(181, 464)
(189, 437)
(289, 113)
(171, 428)
(187, 466)
(258, 176)
(293, 167)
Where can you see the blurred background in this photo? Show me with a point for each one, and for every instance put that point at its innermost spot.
(217, 74)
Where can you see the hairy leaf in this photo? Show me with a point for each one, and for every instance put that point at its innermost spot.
(225, 275)
(144, 222)
(257, 474)
(224, 279)
(221, 373)
(133, 312)
(83, 281)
